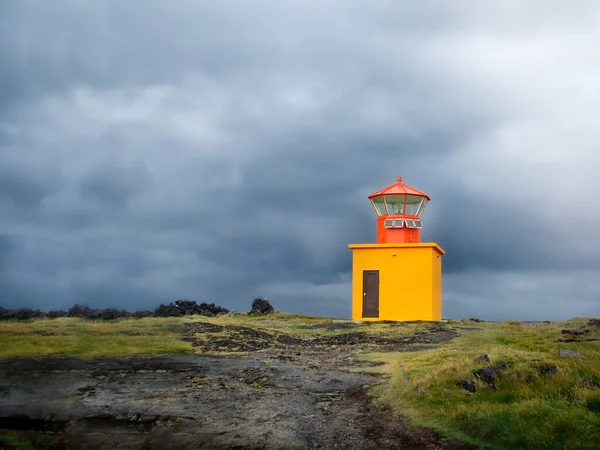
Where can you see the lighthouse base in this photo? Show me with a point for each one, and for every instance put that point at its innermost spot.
(398, 282)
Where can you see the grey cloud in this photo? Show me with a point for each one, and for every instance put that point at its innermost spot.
(26, 184)
(481, 233)
(113, 185)
(7, 247)
(521, 295)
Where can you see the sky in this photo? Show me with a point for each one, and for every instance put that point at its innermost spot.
(222, 151)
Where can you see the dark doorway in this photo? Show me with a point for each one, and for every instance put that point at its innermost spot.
(370, 293)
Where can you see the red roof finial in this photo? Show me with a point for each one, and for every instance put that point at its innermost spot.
(399, 180)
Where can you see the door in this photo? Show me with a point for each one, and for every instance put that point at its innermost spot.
(370, 293)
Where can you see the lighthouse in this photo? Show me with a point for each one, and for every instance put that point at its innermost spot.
(399, 277)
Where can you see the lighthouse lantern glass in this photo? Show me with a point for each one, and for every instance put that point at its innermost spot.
(378, 205)
(395, 204)
(413, 204)
(422, 208)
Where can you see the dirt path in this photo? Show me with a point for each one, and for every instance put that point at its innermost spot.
(254, 401)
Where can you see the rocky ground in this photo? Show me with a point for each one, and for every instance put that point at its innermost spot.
(249, 389)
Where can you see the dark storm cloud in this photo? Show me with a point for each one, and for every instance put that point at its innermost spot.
(7, 246)
(492, 234)
(152, 150)
(25, 184)
(114, 184)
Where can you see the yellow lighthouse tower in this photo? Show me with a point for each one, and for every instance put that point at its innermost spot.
(399, 277)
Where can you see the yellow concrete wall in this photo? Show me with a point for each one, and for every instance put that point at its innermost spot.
(409, 277)
(437, 285)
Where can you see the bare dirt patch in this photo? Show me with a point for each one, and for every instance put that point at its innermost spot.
(376, 427)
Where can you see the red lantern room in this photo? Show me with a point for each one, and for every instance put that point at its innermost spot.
(399, 209)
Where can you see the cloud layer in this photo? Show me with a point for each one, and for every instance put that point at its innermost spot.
(151, 150)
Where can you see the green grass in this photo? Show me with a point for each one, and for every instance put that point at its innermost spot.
(71, 336)
(529, 410)
(17, 440)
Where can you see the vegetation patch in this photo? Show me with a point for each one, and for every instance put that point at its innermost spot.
(81, 337)
(524, 393)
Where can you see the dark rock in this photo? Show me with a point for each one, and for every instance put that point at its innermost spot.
(546, 369)
(473, 319)
(170, 310)
(467, 385)
(85, 312)
(570, 354)
(110, 314)
(573, 332)
(421, 390)
(237, 339)
(546, 321)
(595, 322)
(189, 307)
(482, 358)
(333, 326)
(177, 309)
(489, 374)
(590, 384)
(397, 342)
(504, 365)
(81, 311)
(57, 314)
(20, 314)
(530, 378)
(261, 306)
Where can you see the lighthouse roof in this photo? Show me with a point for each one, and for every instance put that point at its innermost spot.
(399, 188)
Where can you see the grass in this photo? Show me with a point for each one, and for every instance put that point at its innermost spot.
(14, 442)
(71, 336)
(11, 440)
(528, 409)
